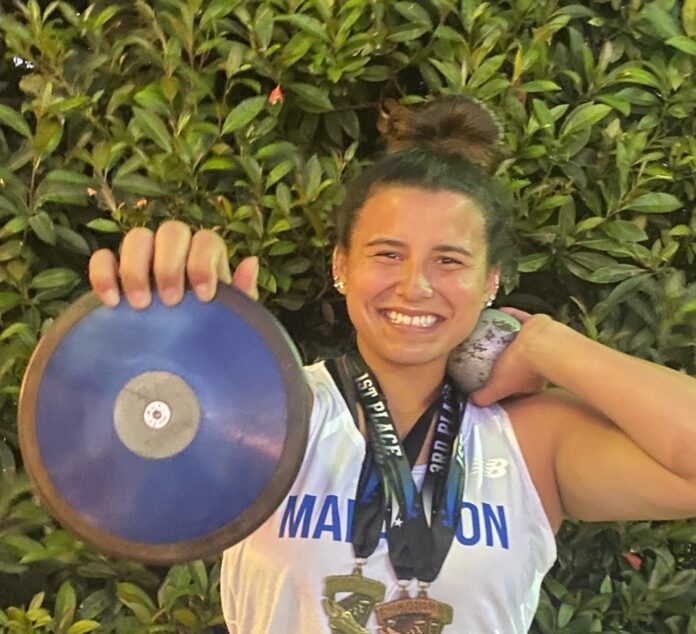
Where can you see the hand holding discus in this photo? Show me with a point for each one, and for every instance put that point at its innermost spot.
(169, 426)
(172, 256)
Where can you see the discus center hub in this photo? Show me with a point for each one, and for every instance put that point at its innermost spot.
(157, 414)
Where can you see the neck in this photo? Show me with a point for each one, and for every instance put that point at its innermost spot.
(409, 389)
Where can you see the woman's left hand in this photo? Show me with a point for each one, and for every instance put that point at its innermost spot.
(513, 373)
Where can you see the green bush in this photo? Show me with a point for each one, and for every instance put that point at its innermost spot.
(122, 113)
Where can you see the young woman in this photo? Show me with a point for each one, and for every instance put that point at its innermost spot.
(355, 547)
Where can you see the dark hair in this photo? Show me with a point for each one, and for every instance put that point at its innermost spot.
(450, 144)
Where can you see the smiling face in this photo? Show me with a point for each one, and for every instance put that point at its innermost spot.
(416, 275)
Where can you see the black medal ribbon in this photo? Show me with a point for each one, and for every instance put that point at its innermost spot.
(420, 524)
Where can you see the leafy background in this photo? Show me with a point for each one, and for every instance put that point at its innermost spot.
(121, 113)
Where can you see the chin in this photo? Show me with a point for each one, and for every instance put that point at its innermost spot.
(406, 357)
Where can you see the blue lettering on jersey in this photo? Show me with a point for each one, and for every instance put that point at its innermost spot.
(329, 520)
(303, 517)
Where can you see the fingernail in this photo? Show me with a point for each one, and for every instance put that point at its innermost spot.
(140, 299)
(111, 298)
(170, 296)
(203, 292)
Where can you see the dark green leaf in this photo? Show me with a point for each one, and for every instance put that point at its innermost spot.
(540, 85)
(584, 116)
(186, 617)
(153, 127)
(279, 149)
(96, 603)
(60, 192)
(683, 43)
(48, 134)
(137, 600)
(619, 104)
(309, 25)
(65, 604)
(53, 278)
(278, 172)
(657, 203)
(413, 12)
(24, 545)
(42, 226)
(14, 120)
(104, 225)
(486, 70)
(625, 231)
(635, 74)
(10, 250)
(312, 96)
(71, 240)
(312, 177)
(660, 20)
(406, 32)
(263, 26)
(140, 185)
(243, 113)
(376, 73)
(8, 301)
(295, 49)
(532, 262)
(283, 247)
(218, 163)
(565, 613)
(152, 98)
(199, 575)
(614, 273)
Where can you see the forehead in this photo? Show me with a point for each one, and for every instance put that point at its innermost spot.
(424, 214)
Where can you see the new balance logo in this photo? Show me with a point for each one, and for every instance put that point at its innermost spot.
(491, 468)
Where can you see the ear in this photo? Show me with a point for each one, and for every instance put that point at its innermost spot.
(339, 268)
(493, 282)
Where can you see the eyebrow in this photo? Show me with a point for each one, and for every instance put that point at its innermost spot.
(440, 248)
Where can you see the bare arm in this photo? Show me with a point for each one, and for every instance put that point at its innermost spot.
(624, 443)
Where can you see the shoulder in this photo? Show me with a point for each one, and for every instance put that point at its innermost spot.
(551, 414)
(540, 421)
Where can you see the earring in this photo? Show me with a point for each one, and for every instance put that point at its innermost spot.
(339, 284)
(494, 294)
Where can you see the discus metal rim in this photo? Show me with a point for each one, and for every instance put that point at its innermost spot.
(298, 403)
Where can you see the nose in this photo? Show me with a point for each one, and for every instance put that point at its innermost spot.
(414, 284)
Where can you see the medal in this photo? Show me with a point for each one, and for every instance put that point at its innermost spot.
(350, 614)
(407, 615)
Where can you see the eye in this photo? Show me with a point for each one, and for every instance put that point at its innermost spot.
(447, 260)
(388, 255)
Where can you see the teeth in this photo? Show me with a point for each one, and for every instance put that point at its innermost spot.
(420, 321)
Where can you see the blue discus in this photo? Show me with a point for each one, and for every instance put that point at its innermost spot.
(166, 434)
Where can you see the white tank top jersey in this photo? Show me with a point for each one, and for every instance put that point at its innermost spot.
(272, 582)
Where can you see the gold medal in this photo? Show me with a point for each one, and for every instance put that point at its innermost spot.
(349, 614)
(407, 615)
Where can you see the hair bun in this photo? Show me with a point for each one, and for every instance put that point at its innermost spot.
(453, 124)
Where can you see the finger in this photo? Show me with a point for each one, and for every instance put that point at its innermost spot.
(484, 396)
(103, 276)
(519, 315)
(172, 242)
(246, 276)
(207, 264)
(134, 266)
(494, 391)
